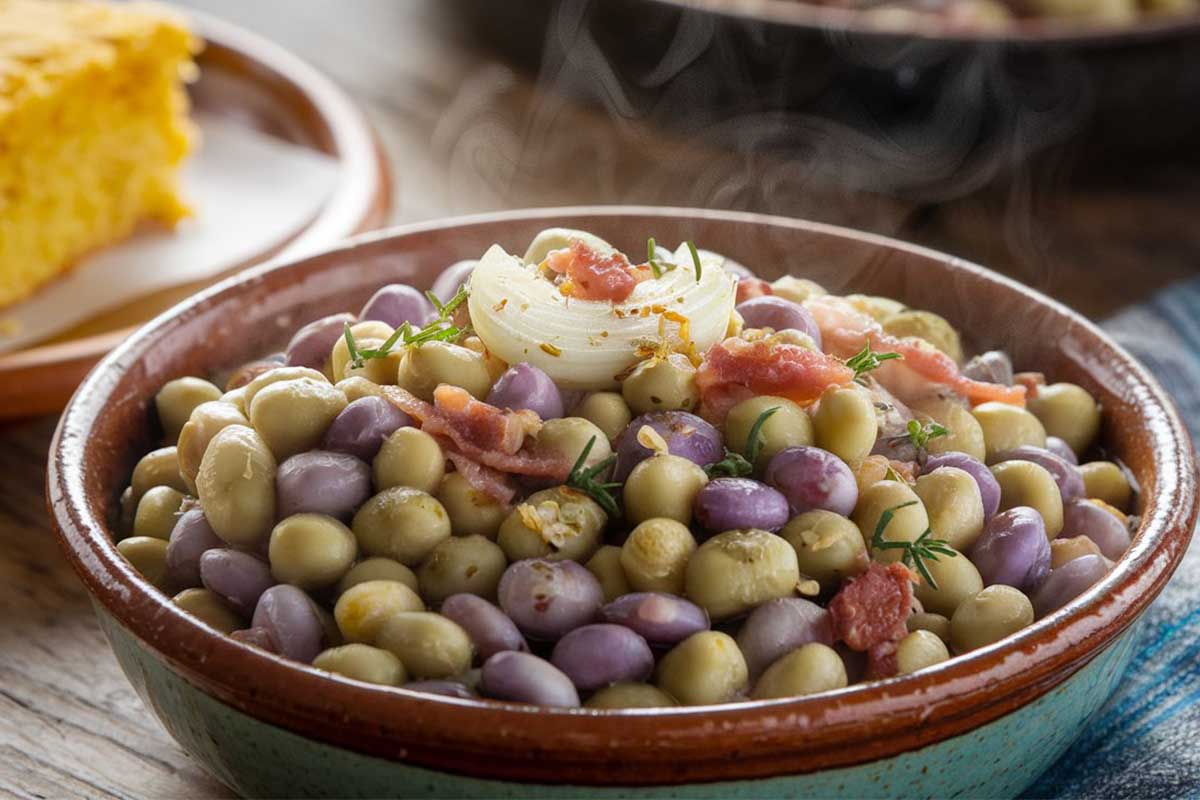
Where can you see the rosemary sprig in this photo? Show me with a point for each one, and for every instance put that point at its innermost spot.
(584, 479)
(436, 331)
(691, 246)
(915, 553)
(655, 267)
(866, 360)
(735, 465)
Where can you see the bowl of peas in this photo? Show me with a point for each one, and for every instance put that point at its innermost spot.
(575, 502)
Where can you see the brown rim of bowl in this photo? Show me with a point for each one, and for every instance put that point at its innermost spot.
(737, 741)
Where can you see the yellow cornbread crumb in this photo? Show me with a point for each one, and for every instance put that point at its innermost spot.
(93, 128)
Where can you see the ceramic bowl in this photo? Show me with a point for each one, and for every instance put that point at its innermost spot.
(984, 724)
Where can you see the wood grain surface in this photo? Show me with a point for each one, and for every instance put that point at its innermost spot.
(466, 132)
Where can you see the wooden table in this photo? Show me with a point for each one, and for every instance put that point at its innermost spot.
(464, 133)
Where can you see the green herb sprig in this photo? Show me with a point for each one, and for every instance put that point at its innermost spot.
(439, 330)
(691, 246)
(584, 479)
(916, 553)
(920, 436)
(866, 360)
(735, 465)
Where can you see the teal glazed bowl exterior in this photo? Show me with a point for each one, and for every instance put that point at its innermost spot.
(983, 725)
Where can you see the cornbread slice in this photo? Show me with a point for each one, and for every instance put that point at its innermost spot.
(93, 128)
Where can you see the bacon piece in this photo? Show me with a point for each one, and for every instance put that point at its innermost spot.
(484, 426)
(881, 661)
(592, 275)
(749, 288)
(871, 609)
(1032, 381)
(492, 482)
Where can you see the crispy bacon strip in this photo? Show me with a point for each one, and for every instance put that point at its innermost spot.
(869, 614)
(492, 482)
(592, 275)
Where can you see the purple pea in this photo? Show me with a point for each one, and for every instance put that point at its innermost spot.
(291, 619)
(238, 577)
(546, 599)
(727, 503)
(994, 366)
(452, 278)
(1080, 518)
(446, 688)
(321, 482)
(776, 628)
(396, 304)
(1013, 549)
(191, 538)
(524, 386)
(811, 478)
(489, 628)
(989, 488)
(255, 637)
(686, 435)
(363, 426)
(525, 678)
(1061, 449)
(778, 314)
(660, 618)
(1068, 478)
(597, 655)
(1067, 582)
(311, 345)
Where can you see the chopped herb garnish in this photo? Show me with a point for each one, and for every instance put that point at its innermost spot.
(651, 260)
(890, 474)
(925, 548)
(585, 480)
(920, 436)
(754, 439)
(439, 330)
(735, 465)
(866, 360)
(691, 246)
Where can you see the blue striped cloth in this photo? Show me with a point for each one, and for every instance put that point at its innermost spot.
(1145, 742)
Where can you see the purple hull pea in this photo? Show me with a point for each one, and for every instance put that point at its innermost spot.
(661, 619)
(1065, 474)
(598, 655)
(525, 678)
(290, 618)
(728, 503)
(237, 577)
(547, 599)
(1067, 582)
(362, 427)
(311, 345)
(452, 279)
(525, 387)
(396, 304)
(687, 436)
(489, 628)
(779, 314)
(811, 478)
(989, 487)
(776, 628)
(1085, 518)
(1013, 549)
(191, 538)
(321, 482)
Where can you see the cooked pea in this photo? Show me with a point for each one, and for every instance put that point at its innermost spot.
(428, 365)
(813, 668)
(548, 599)
(845, 423)
(157, 513)
(777, 628)
(495, 366)
(796, 289)
(369, 334)
(829, 547)
(277, 375)
(472, 513)
(236, 485)
(235, 398)
(148, 555)
(956, 578)
(918, 650)
(735, 571)
(429, 645)
(362, 663)
(965, 434)
(311, 550)
(525, 678)
(1068, 412)
(927, 326)
(608, 411)
(1023, 483)
(292, 416)
(936, 624)
(295, 624)
(953, 502)
(558, 523)
(566, 438)
(1006, 427)
(907, 523)
(606, 566)
(655, 556)
(409, 457)
(988, 617)
(790, 426)
(176, 401)
(663, 486)
(401, 523)
(630, 695)
(705, 668)
(870, 471)
(237, 577)
(363, 608)
(660, 384)
(470, 564)
(1104, 480)
(157, 468)
(205, 422)
(377, 569)
(491, 630)
(209, 609)
(1063, 550)
(356, 387)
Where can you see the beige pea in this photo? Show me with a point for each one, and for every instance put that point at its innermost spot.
(429, 645)
(790, 426)
(401, 523)
(956, 578)
(906, 525)
(736, 571)
(955, 507)
(1023, 483)
(462, 564)
(567, 437)
(363, 608)
(292, 416)
(662, 384)
(1063, 551)
(148, 555)
(662, 486)
(356, 387)
(209, 608)
(236, 485)
(655, 556)
(428, 365)
(362, 663)
(630, 695)
(382, 371)
(157, 468)
(206, 421)
(937, 624)
(1006, 427)
(176, 401)
(1068, 412)
(495, 366)
(918, 650)
(1105, 481)
(409, 457)
(829, 548)
(472, 512)
(703, 669)
(277, 375)
(311, 551)
(377, 569)
(796, 289)
(871, 471)
(236, 398)
(810, 669)
(606, 566)
(988, 617)
(608, 411)
(927, 326)
(965, 435)
(845, 423)
(559, 523)
(368, 335)
(157, 512)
